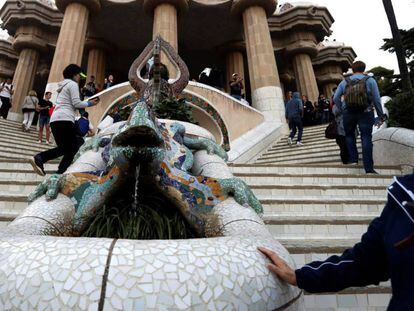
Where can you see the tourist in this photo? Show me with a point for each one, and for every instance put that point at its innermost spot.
(386, 251)
(308, 111)
(109, 82)
(236, 86)
(44, 107)
(323, 105)
(85, 128)
(294, 115)
(62, 122)
(89, 89)
(29, 108)
(289, 96)
(358, 109)
(6, 92)
(340, 137)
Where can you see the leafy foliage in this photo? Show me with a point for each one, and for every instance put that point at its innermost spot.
(153, 218)
(389, 84)
(401, 110)
(174, 109)
(407, 37)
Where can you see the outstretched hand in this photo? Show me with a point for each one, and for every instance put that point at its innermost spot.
(279, 267)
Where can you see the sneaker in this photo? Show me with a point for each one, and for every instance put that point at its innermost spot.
(290, 142)
(299, 143)
(47, 142)
(39, 141)
(352, 163)
(37, 165)
(373, 172)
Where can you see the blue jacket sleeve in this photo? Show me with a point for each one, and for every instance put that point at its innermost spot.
(374, 93)
(364, 264)
(339, 92)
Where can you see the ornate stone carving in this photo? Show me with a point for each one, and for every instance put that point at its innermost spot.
(93, 5)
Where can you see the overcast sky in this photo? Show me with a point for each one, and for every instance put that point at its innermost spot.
(363, 24)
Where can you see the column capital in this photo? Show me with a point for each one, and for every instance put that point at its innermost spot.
(29, 37)
(96, 43)
(234, 46)
(94, 6)
(239, 6)
(301, 47)
(180, 5)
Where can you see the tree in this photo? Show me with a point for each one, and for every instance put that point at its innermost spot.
(399, 49)
(389, 84)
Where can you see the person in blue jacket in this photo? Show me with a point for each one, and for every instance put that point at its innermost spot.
(386, 251)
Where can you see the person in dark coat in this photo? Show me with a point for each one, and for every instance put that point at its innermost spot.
(294, 115)
(308, 111)
(386, 251)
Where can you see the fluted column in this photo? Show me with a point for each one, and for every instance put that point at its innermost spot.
(264, 77)
(71, 40)
(165, 14)
(28, 43)
(96, 60)
(327, 89)
(305, 76)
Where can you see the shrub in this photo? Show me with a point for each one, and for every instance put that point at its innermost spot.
(401, 110)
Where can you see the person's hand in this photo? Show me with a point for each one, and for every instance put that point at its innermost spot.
(94, 101)
(279, 267)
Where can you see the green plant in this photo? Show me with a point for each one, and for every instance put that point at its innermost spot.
(174, 109)
(153, 218)
(401, 110)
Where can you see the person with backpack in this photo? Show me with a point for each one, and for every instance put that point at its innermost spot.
(294, 115)
(361, 97)
(62, 122)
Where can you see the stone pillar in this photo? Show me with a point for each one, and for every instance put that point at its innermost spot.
(28, 43)
(71, 40)
(327, 89)
(264, 77)
(165, 14)
(96, 60)
(305, 76)
(234, 64)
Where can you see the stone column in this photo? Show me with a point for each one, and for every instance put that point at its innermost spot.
(96, 59)
(264, 77)
(71, 40)
(28, 43)
(327, 89)
(305, 76)
(234, 64)
(165, 14)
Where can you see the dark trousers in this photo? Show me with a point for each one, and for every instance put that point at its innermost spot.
(4, 110)
(296, 124)
(341, 141)
(67, 141)
(325, 117)
(365, 121)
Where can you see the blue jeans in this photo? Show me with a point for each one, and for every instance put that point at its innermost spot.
(325, 117)
(295, 124)
(365, 122)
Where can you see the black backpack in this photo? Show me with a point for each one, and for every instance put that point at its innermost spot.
(356, 95)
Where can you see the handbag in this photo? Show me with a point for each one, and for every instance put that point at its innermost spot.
(331, 131)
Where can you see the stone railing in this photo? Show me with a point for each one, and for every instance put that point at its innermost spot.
(394, 146)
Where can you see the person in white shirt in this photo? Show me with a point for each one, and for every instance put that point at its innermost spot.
(62, 122)
(6, 92)
(29, 109)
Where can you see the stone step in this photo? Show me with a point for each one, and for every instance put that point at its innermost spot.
(29, 143)
(16, 151)
(327, 159)
(312, 169)
(306, 146)
(17, 131)
(26, 174)
(16, 165)
(324, 191)
(298, 156)
(299, 152)
(19, 147)
(359, 299)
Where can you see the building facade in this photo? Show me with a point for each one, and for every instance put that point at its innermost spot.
(275, 49)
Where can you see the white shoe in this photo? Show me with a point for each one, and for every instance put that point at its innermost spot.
(299, 143)
(47, 142)
(39, 141)
(290, 142)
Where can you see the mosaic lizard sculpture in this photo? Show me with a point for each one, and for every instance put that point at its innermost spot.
(163, 153)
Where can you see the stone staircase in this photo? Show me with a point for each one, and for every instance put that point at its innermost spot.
(317, 207)
(313, 205)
